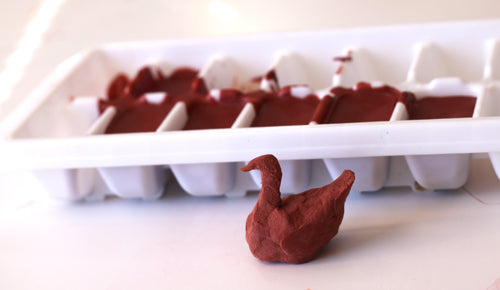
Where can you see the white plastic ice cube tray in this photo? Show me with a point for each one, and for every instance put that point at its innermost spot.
(57, 132)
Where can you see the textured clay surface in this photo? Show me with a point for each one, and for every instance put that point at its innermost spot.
(295, 228)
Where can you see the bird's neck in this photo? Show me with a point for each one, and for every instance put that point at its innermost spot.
(270, 196)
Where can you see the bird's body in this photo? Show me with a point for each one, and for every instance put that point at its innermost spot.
(293, 229)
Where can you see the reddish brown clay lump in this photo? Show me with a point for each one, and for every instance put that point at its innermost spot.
(431, 107)
(295, 228)
(134, 112)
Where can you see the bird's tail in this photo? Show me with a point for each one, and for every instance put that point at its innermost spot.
(342, 186)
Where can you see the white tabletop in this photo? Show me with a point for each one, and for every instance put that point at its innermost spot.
(392, 239)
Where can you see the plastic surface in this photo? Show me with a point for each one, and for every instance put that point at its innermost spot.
(58, 134)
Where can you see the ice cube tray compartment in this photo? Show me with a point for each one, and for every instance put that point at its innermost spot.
(436, 60)
(371, 172)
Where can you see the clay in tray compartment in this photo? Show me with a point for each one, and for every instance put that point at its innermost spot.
(364, 103)
(283, 109)
(183, 82)
(129, 100)
(208, 113)
(431, 107)
(136, 114)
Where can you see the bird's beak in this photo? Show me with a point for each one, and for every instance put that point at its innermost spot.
(248, 167)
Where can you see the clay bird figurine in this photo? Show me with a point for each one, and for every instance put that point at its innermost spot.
(295, 228)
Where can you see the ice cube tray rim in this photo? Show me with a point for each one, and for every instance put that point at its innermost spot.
(373, 139)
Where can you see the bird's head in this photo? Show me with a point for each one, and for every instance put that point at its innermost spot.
(261, 162)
